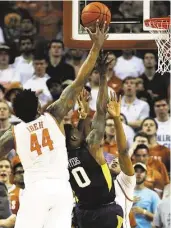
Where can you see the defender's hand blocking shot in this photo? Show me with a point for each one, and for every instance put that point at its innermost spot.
(40, 144)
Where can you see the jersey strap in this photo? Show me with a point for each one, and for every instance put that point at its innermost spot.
(124, 192)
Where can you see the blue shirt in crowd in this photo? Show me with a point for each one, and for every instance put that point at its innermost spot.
(149, 201)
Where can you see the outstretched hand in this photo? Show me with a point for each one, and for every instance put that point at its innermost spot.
(114, 105)
(100, 35)
(83, 104)
(103, 62)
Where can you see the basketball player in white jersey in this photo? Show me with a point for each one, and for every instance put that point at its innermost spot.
(40, 144)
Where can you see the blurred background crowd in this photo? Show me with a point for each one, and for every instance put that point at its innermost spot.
(33, 56)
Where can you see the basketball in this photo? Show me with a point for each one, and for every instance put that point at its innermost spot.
(95, 11)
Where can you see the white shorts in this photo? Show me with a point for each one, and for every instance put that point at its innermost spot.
(46, 204)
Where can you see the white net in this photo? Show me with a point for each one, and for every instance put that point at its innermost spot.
(163, 42)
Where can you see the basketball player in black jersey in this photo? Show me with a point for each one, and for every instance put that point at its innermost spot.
(89, 174)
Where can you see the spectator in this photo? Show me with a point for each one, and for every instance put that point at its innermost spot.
(126, 8)
(139, 138)
(27, 26)
(23, 64)
(10, 94)
(157, 176)
(132, 9)
(5, 172)
(77, 58)
(163, 120)
(57, 68)
(154, 83)
(38, 82)
(128, 130)
(113, 81)
(54, 88)
(110, 145)
(142, 94)
(133, 66)
(2, 39)
(110, 140)
(145, 200)
(18, 184)
(48, 19)
(5, 210)
(12, 28)
(160, 8)
(162, 153)
(7, 73)
(162, 217)
(18, 172)
(2, 92)
(118, 27)
(134, 109)
(4, 117)
(94, 84)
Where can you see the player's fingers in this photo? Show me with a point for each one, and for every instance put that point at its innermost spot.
(97, 26)
(78, 101)
(106, 37)
(108, 62)
(107, 30)
(89, 31)
(83, 91)
(101, 54)
(105, 57)
(88, 97)
(111, 96)
(120, 98)
(116, 98)
(104, 27)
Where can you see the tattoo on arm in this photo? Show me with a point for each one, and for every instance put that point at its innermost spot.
(6, 143)
(68, 98)
(64, 104)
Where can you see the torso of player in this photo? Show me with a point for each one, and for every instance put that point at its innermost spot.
(92, 183)
(14, 194)
(42, 150)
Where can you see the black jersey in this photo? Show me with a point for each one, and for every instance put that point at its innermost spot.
(92, 183)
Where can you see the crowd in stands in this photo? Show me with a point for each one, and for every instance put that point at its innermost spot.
(33, 56)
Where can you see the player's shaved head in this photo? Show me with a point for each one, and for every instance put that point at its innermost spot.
(25, 105)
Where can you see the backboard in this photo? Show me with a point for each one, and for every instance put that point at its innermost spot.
(127, 28)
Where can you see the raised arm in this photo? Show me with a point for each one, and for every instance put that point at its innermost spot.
(114, 108)
(6, 143)
(84, 124)
(95, 137)
(68, 98)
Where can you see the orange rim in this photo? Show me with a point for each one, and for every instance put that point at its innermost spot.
(159, 23)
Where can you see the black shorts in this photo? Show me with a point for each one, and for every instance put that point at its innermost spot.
(106, 216)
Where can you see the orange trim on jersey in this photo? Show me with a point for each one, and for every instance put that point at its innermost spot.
(62, 130)
(15, 142)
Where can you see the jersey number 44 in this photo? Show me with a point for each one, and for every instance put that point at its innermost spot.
(46, 141)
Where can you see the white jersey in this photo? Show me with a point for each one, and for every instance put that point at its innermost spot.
(42, 149)
(124, 190)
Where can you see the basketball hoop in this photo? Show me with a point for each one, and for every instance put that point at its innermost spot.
(161, 26)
